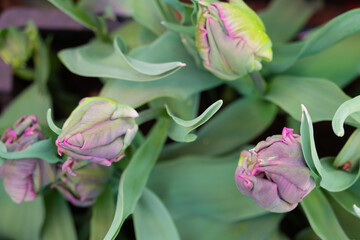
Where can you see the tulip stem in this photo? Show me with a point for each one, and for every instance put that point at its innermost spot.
(258, 81)
(149, 114)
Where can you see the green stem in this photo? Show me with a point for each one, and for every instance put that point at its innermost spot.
(259, 81)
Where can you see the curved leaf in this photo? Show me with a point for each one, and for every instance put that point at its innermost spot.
(345, 110)
(321, 216)
(135, 176)
(181, 85)
(42, 149)
(334, 31)
(332, 179)
(232, 127)
(152, 220)
(98, 59)
(180, 129)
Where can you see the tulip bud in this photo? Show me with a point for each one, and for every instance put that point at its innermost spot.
(231, 39)
(98, 130)
(274, 173)
(83, 189)
(23, 178)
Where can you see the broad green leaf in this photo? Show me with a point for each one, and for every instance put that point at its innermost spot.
(202, 185)
(321, 216)
(237, 124)
(20, 221)
(88, 19)
(102, 214)
(180, 129)
(59, 223)
(182, 84)
(43, 149)
(291, 16)
(324, 37)
(98, 59)
(345, 110)
(320, 96)
(339, 63)
(202, 228)
(135, 176)
(30, 102)
(332, 179)
(350, 153)
(152, 220)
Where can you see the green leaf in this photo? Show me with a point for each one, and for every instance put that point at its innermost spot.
(182, 84)
(237, 124)
(350, 153)
(98, 59)
(149, 13)
(339, 63)
(291, 16)
(152, 220)
(135, 176)
(345, 110)
(188, 30)
(324, 37)
(30, 102)
(20, 221)
(349, 223)
(332, 179)
(347, 199)
(42, 149)
(320, 96)
(102, 214)
(88, 19)
(202, 228)
(204, 186)
(180, 129)
(59, 223)
(42, 63)
(321, 216)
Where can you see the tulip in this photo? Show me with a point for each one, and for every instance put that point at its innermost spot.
(23, 178)
(231, 39)
(98, 130)
(274, 174)
(83, 189)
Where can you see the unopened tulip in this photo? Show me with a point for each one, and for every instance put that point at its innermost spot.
(23, 178)
(83, 189)
(274, 174)
(231, 39)
(98, 130)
